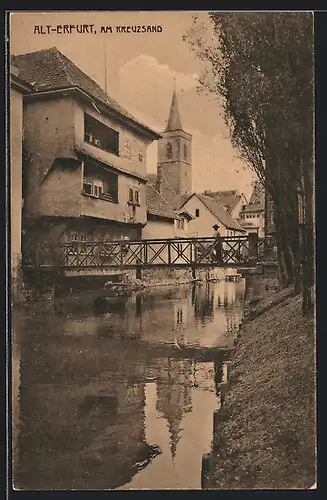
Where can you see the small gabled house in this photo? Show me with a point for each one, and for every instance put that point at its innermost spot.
(208, 212)
(231, 200)
(161, 218)
(252, 215)
(163, 222)
(85, 156)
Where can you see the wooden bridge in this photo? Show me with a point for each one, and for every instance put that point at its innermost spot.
(229, 251)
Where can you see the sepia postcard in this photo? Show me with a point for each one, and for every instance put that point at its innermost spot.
(162, 250)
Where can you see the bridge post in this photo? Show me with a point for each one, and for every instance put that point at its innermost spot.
(253, 248)
(138, 273)
(205, 468)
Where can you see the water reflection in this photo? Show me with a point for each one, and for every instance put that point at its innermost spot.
(122, 399)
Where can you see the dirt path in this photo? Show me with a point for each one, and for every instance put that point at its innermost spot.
(266, 429)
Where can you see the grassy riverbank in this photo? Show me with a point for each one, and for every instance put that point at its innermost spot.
(266, 431)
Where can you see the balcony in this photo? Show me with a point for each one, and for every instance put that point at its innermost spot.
(95, 190)
(101, 136)
(101, 184)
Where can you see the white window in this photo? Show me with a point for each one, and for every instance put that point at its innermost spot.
(75, 236)
(87, 187)
(180, 224)
(98, 190)
(93, 187)
(133, 196)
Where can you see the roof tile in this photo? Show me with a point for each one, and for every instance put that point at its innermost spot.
(226, 198)
(157, 205)
(222, 215)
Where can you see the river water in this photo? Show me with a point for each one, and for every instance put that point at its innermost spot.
(122, 399)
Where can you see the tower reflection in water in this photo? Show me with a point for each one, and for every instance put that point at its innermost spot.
(115, 400)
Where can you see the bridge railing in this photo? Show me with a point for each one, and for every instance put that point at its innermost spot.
(173, 252)
(267, 249)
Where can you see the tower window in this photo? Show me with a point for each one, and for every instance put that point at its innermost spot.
(185, 152)
(197, 212)
(127, 149)
(169, 150)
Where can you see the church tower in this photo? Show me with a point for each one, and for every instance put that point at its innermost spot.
(175, 155)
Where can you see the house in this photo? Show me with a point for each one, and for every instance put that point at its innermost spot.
(18, 88)
(231, 200)
(208, 212)
(252, 215)
(164, 222)
(85, 158)
(161, 218)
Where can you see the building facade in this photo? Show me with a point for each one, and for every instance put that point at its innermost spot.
(252, 215)
(18, 87)
(85, 158)
(206, 213)
(164, 222)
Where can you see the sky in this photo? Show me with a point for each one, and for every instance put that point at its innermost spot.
(141, 71)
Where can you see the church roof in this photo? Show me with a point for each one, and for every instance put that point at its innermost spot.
(50, 70)
(174, 120)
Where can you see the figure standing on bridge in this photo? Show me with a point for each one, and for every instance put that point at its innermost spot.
(218, 245)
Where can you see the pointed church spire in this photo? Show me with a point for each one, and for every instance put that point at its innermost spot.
(174, 120)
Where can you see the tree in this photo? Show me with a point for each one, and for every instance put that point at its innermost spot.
(261, 64)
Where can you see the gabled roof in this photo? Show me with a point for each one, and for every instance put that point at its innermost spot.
(254, 207)
(218, 211)
(49, 70)
(257, 200)
(17, 82)
(173, 198)
(226, 198)
(157, 205)
(258, 193)
(187, 215)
